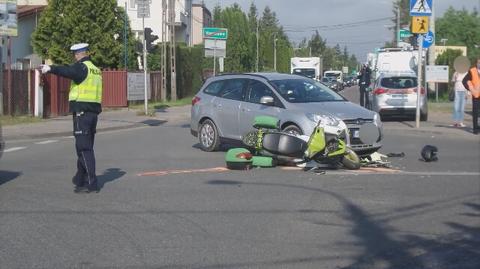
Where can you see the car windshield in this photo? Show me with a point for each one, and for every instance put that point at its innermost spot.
(304, 91)
(306, 72)
(399, 82)
(332, 75)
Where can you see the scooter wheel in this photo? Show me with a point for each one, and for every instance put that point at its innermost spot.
(351, 160)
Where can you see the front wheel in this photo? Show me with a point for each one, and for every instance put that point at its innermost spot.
(351, 160)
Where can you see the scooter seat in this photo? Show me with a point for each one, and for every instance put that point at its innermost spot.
(284, 144)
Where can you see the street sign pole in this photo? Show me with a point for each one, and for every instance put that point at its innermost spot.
(214, 59)
(419, 75)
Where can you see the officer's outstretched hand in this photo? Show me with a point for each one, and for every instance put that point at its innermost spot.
(45, 68)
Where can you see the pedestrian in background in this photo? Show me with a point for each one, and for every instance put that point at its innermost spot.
(364, 82)
(459, 99)
(472, 83)
(85, 98)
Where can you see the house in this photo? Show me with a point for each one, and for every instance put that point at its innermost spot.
(21, 54)
(201, 17)
(183, 11)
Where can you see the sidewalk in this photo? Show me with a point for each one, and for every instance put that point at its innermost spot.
(439, 122)
(107, 121)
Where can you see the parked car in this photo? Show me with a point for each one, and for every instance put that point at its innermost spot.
(224, 108)
(395, 94)
(329, 82)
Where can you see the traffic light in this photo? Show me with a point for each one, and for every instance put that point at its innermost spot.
(149, 39)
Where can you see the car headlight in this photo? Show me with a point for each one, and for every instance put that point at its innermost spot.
(376, 120)
(325, 119)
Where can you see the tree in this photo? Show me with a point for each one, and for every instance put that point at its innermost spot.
(99, 23)
(461, 29)
(317, 44)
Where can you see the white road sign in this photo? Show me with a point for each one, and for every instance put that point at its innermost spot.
(437, 73)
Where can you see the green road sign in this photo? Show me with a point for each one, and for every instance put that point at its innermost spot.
(405, 33)
(215, 33)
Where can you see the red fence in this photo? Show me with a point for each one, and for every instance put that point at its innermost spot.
(114, 89)
(55, 92)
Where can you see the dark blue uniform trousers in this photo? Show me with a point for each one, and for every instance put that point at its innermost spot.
(84, 128)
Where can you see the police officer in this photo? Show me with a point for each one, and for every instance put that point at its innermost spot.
(364, 81)
(85, 99)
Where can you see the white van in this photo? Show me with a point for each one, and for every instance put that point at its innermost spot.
(391, 60)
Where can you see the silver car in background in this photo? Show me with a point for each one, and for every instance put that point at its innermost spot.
(395, 94)
(224, 108)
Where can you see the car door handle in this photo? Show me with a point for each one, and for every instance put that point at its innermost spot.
(217, 105)
(245, 110)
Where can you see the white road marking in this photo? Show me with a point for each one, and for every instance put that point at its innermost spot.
(14, 149)
(46, 142)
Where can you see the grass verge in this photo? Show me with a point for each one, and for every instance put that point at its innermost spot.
(154, 106)
(14, 120)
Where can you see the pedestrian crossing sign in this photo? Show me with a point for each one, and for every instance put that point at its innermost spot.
(421, 7)
(420, 25)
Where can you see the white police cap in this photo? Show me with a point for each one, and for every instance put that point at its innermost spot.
(79, 47)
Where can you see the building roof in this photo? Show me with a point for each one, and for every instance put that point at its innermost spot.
(27, 10)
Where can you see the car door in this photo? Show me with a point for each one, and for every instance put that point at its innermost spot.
(251, 107)
(227, 107)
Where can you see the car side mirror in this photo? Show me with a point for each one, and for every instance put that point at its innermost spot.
(267, 100)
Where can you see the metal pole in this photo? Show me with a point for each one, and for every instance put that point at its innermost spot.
(145, 66)
(419, 75)
(436, 92)
(214, 58)
(173, 74)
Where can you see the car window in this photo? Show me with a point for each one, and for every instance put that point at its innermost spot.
(233, 89)
(256, 90)
(305, 91)
(214, 88)
(399, 82)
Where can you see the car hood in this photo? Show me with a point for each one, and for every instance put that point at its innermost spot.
(343, 110)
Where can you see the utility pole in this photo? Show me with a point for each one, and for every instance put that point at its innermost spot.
(125, 37)
(398, 26)
(173, 76)
(163, 93)
(256, 63)
(145, 66)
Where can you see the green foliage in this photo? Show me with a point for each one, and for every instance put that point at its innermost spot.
(99, 23)
(461, 28)
(189, 63)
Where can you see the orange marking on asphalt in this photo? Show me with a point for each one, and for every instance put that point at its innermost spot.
(187, 171)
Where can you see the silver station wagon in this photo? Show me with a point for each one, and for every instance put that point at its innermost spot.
(224, 108)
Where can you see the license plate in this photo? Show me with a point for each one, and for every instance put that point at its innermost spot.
(356, 134)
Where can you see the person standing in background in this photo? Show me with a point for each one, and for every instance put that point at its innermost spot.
(472, 83)
(459, 100)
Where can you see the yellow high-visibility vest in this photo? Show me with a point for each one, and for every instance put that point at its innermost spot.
(90, 90)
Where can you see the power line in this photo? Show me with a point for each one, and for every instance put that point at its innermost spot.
(300, 28)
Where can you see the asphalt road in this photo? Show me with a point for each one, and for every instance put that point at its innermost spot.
(166, 204)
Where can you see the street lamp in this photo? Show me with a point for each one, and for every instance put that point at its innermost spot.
(275, 52)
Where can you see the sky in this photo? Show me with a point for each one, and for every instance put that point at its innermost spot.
(365, 29)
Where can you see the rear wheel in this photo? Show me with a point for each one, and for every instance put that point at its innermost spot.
(208, 136)
(293, 129)
(351, 160)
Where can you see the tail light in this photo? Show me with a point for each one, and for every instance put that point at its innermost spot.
(422, 90)
(195, 100)
(378, 91)
(244, 155)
